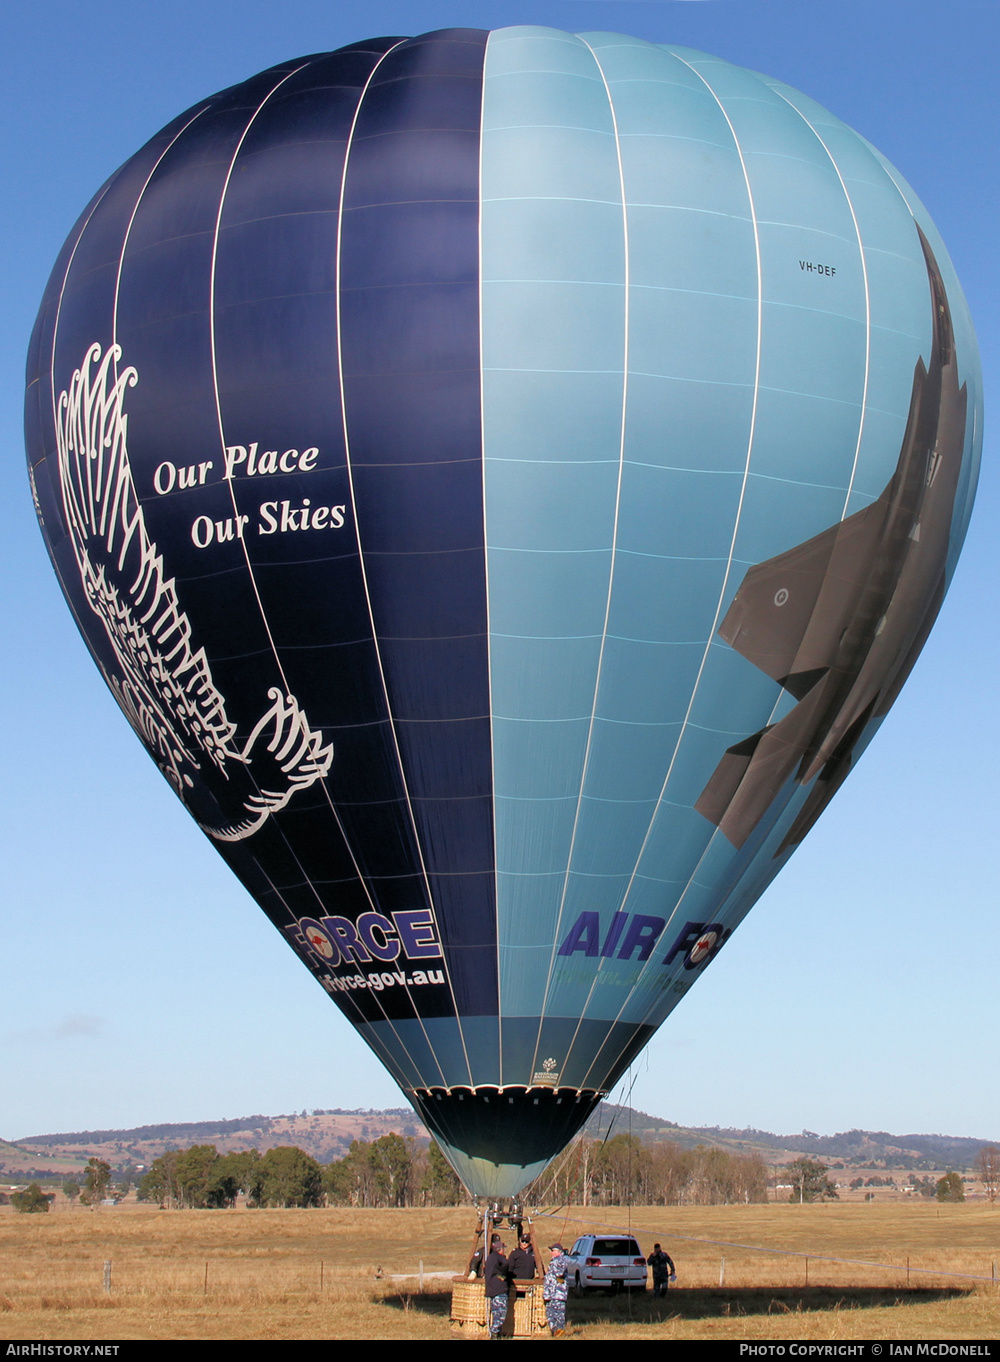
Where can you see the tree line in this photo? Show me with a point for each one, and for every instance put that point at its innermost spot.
(394, 1171)
(390, 1171)
(623, 1169)
(201, 1178)
(96, 1182)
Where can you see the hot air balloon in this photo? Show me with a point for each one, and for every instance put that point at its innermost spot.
(505, 479)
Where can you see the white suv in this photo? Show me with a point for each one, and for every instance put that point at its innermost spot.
(612, 1261)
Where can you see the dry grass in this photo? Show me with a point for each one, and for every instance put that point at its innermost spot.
(313, 1274)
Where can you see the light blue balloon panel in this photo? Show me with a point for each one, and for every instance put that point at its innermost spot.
(703, 299)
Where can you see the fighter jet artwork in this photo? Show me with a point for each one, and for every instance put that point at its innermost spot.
(839, 620)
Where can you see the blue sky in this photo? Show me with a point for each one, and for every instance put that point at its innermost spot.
(140, 982)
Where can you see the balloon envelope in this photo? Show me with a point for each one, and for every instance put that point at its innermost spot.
(505, 480)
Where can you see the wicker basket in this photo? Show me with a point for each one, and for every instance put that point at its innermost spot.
(468, 1309)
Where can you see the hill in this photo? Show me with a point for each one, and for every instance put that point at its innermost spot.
(327, 1135)
(852, 1148)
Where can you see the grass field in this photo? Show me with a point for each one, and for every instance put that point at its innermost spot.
(329, 1273)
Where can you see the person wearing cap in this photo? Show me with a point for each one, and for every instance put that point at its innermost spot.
(520, 1268)
(495, 1274)
(555, 1288)
(521, 1263)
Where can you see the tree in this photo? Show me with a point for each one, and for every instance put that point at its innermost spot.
(70, 1189)
(949, 1188)
(749, 1179)
(809, 1181)
(391, 1160)
(712, 1177)
(31, 1201)
(235, 1173)
(440, 1185)
(348, 1181)
(201, 1178)
(160, 1183)
(618, 1169)
(384, 1172)
(96, 1180)
(671, 1174)
(988, 1168)
(193, 1172)
(289, 1177)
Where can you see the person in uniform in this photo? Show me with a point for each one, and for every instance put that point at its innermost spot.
(521, 1263)
(662, 1266)
(495, 1274)
(555, 1288)
(520, 1268)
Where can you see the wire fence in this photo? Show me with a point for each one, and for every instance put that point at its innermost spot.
(130, 1275)
(731, 1266)
(748, 1264)
(54, 1268)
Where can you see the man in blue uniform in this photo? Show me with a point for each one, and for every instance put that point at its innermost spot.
(555, 1288)
(495, 1274)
